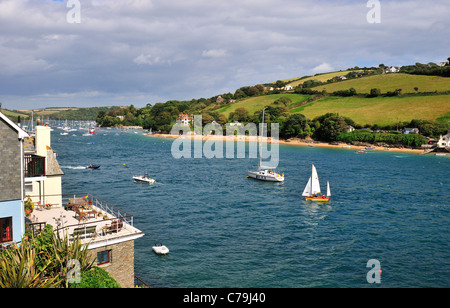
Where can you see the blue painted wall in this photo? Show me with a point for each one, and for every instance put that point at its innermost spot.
(13, 209)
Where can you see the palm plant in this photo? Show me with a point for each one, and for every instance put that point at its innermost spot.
(18, 269)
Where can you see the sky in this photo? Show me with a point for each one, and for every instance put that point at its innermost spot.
(86, 53)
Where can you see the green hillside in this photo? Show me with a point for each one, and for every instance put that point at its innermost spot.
(421, 97)
(257, 103)
(391, 82)
(381, 110)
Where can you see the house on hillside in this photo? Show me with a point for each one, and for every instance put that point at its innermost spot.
(12, 178)
(288, 87)
(219, 99)
(392, 69)
(407, 131)
(184, 118)
(350, 129)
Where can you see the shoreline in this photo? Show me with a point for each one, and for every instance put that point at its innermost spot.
(293, 141)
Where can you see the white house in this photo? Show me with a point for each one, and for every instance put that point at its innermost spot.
(44, 186)
(288, 87)
(392, 69)
(444, 141)
(184, 119)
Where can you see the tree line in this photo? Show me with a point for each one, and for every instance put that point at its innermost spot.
(329, 127)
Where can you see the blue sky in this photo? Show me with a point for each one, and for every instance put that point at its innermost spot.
(146, 51)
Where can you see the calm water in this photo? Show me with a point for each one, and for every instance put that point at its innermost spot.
(225, 230)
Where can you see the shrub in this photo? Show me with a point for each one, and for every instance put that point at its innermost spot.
(96, 278)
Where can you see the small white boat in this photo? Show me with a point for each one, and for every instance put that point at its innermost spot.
(160, 249)
(143, 179)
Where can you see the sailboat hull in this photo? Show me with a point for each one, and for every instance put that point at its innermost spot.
(265, 176)
(318, 199)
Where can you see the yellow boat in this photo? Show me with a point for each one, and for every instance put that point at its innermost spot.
(312, 188)
(322, 198)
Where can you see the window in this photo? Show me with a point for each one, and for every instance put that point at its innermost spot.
(103, 257)
(6, 229)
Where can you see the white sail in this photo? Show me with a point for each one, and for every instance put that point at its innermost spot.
(314, 187)
(307, 190)
(328, 189)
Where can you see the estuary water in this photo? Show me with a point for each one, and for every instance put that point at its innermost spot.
(226, 230)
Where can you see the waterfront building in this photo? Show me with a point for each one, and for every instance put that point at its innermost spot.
(12, 218)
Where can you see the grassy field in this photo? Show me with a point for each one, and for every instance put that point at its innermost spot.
(321, 77)
(14, 114)
(257, 103)
(391, 82)
(381, 110)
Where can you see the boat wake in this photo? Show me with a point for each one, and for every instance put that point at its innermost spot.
(74, 167)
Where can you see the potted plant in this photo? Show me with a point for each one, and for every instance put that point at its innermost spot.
(29, 206)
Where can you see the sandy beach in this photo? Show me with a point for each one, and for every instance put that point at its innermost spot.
(293, 142)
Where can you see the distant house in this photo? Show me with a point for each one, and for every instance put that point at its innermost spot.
(219, 99)
(342, 78)
(184, 119)
(288, 87)
(235, 123)
(392, 69)
(407, 131)
(442, 64)
(350, 128)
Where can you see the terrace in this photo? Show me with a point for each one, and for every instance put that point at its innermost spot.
(82, 215)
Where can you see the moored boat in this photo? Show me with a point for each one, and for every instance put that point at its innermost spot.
(264, 174)
(160, 249)
(143, 179)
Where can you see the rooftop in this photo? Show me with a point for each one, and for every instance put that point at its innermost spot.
(82, 215)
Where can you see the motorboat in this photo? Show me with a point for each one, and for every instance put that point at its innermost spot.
(160, 249)
(93, 166)
(143, 179)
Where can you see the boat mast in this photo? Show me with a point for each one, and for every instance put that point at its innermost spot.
(260, 141)
(310, 191)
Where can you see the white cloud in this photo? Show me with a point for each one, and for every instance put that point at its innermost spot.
(322, 68)
(170, 48)
(214, 53)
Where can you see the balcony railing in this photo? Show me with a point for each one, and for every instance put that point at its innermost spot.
(113, 219)
(34, 165)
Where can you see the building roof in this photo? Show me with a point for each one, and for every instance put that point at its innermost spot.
(22, 134)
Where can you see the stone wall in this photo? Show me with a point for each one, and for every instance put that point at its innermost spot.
(121, 267)
(9, 163)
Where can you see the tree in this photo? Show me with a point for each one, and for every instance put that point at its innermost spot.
(283, 100)
(240, 114)
(374, 92)
(296, 126)
(331, 125)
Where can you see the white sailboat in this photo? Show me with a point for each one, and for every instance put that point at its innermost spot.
(264, 174)
(312, 188)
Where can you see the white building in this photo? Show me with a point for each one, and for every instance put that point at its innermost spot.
(184, 119)
(43, 182)
(444, 141)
